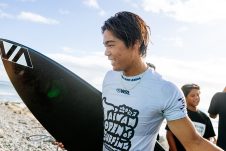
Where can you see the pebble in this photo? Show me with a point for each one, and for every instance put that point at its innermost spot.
(1, 133)
(20, 131)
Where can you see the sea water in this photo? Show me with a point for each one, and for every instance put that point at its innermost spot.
(8, 93)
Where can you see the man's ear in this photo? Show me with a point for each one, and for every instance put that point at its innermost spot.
(137, 45)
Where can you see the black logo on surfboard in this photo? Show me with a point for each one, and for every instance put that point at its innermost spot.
(17, 51)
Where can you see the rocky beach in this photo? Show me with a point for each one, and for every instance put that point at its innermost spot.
(20, 131)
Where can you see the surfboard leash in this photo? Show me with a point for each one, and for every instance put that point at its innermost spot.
(42, 138)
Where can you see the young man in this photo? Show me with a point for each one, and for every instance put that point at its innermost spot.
(218, 106)
(136, 99)
(200, 120)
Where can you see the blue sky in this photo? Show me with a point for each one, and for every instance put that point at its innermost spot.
(188, 36)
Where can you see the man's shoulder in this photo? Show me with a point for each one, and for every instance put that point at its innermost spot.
(219, 96)
(112, 73)
(111, 76)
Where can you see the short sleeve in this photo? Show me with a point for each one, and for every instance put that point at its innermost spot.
(175, 104)
(209, 128)
(213, 108)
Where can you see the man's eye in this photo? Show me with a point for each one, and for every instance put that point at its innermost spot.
(110, 46)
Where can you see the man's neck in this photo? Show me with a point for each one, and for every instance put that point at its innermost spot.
(136, 69)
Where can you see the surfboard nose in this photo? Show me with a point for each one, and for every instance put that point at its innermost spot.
(15, 53)
(52, 92)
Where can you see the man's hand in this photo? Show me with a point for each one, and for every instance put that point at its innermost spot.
(59, 144)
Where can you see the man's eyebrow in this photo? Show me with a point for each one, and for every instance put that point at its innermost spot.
(107, 42)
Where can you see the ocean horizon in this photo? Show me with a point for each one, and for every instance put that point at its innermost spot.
(8, 93)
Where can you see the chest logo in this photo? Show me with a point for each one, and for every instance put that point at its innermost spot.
(123, 91)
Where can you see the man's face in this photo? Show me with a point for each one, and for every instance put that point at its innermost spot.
(121, 57)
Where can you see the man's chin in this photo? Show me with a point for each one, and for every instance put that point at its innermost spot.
(116, 69)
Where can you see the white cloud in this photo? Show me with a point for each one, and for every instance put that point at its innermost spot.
(182, 29)
(81, 60)
(67, 49)
(27, 0)
(206, 73)
(102, 12)
(132, 3)
(94, 4)
(5, 15)
(175, 41)
(178, 42)
(64, 12)
(194, 70)
(3, 5)
(194, 11)
(28, 16)
(91, 68)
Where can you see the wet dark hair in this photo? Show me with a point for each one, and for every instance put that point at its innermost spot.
(188, 87)
(129, 28)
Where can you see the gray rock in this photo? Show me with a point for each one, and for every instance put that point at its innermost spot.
(1, 133)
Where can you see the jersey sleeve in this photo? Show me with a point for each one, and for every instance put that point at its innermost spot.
(174, 103)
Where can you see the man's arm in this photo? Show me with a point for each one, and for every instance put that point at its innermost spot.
(171, 141)
(184, 130)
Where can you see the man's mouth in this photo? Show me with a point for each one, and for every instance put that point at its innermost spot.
(111, 60)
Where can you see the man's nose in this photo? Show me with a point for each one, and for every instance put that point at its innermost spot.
(107, 52)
